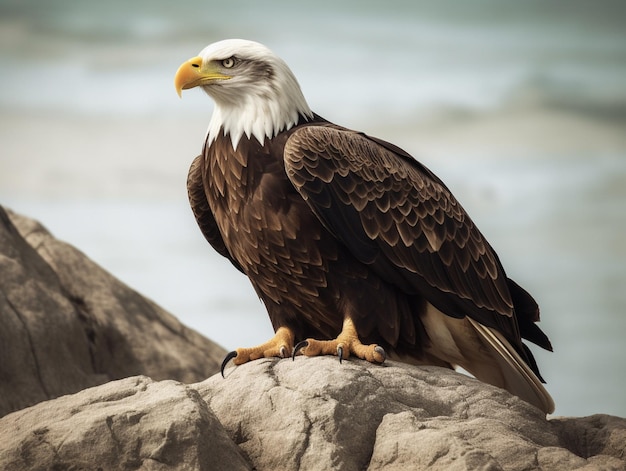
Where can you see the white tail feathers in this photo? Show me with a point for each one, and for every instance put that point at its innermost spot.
(519, 379)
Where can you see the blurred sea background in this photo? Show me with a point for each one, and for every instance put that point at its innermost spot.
(520, 107)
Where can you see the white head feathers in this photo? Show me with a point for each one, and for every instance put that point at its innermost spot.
(262, 97)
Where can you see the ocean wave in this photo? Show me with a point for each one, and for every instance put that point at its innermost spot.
(600, 94)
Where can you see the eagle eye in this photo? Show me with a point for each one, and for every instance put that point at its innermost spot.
(228, 63)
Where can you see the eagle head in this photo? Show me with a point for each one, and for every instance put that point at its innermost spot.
(255, 92)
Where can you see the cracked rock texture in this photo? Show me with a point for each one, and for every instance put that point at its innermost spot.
(314, 413)
(308, 414)
(127, 424)
(66, 324)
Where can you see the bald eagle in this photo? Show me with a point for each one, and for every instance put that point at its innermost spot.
(354, 247)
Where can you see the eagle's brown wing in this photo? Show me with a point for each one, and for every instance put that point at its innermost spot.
(202, 212)
(396, 216)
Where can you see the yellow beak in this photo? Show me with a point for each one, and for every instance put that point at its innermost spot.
(192, 74)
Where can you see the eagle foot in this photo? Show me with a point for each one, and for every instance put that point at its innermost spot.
(281, 345)
(346, 344)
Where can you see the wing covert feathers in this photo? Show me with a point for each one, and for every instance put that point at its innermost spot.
(395, 215)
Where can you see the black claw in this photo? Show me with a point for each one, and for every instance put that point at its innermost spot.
(229, 357)
(381, 351)
(298, 347)
(283, 352)
(340, 353)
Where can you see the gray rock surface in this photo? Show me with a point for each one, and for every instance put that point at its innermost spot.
(133, 423)
(309, 414)
(67, 324)
(315, 413)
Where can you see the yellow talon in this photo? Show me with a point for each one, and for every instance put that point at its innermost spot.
(280, 345)
(347, 343)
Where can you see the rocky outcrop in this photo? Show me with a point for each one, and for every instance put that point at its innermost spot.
(66, 324)
(127, 424)
(312, 413)
(319, 414)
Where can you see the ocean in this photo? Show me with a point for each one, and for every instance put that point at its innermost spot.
(520, 107)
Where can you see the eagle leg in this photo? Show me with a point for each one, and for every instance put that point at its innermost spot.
(347, 343)
(281, 345)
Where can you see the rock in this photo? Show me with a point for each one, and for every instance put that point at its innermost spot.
(314, 413)
(308, 414)
(593, 437)
(67, 324)
(127, 424)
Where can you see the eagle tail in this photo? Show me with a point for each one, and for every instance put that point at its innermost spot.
(519, 379)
